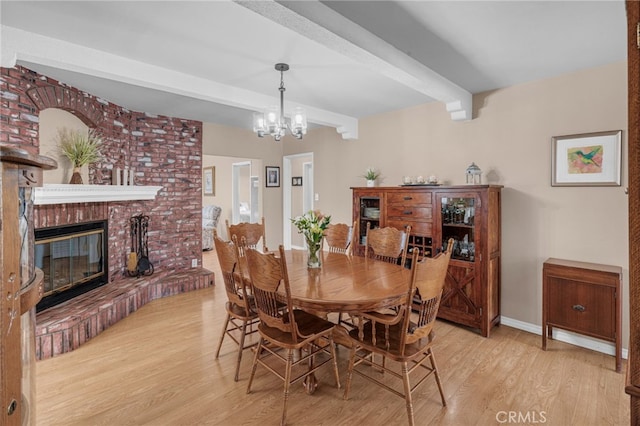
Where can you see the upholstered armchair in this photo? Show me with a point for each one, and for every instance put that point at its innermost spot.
(210, 216)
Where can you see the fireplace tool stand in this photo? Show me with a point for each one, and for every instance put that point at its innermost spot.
(138, 262)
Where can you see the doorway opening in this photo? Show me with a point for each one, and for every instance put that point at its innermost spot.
(298, 199)
(245, 193)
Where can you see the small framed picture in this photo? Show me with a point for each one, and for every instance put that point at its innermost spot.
(296, 181)
(272, 178)
(590, 159)
(209, 181)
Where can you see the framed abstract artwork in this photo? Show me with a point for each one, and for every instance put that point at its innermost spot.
(209, 180)
(589, 159)
(272, 178)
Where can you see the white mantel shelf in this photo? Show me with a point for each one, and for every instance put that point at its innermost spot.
(65, 194)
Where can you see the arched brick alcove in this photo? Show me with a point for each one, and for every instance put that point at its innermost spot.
(69, 100)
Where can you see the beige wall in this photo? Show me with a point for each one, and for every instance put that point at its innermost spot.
(510, 140)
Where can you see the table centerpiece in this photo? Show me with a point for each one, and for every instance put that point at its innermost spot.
(312, 225)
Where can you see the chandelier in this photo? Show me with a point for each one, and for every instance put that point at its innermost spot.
(272, 121)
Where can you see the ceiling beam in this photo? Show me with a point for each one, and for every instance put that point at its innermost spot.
(26, 47)
(322, 24)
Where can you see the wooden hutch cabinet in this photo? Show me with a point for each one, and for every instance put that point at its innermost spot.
(470, 214)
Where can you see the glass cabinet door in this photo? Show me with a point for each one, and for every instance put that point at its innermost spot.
(369, 213)
(458, 217)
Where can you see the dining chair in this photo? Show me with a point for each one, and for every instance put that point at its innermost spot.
(387, 244)
(338, 237)
(240, 313)
(400, 337)
(251, 232)
(286, 330)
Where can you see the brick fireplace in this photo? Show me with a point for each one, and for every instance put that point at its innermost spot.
(163, 151)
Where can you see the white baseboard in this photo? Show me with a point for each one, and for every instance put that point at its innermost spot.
(566, 337)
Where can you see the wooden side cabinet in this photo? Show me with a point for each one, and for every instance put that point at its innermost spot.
(583, 298)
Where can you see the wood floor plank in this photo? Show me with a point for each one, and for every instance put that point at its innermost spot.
(158, 367)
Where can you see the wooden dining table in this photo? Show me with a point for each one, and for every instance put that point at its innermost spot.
(345, 283)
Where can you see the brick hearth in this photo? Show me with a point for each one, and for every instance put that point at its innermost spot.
(65, 327)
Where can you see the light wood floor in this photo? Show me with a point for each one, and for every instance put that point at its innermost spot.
(157, 367)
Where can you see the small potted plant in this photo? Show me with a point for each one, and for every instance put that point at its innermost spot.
(371, 175)
(80, 149)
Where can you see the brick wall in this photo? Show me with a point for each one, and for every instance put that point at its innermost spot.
(163, 151)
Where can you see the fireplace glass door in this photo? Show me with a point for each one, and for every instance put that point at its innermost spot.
(71, 259)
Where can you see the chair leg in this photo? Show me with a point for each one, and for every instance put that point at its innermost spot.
(287, 379)
(407, 392)
(352, 358)
(240, 349)
(255, 364)
(224, 332)
(310, 382)
(335, 361)
(437, 376)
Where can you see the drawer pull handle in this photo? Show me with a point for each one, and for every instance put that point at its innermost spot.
(406, 212)
(408, 198)
(579, 308)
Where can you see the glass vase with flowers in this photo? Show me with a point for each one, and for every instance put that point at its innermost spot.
(312, 225)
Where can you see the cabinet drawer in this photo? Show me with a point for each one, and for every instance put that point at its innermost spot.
(417, 228)
(409, 199)
(582, 307)
(409, 212)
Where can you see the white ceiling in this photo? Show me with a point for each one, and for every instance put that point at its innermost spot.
(213, 61)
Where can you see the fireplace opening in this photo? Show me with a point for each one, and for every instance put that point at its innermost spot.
(73, 259)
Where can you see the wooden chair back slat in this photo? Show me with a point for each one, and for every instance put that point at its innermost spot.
(387, 244)
(429, 278)
(227, 254)
(268, 273)
(338, 237)
(251, 232)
